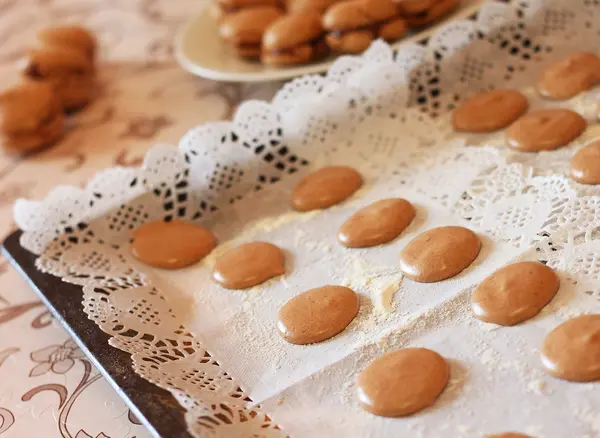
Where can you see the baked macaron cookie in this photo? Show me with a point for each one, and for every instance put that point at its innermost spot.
(353, 25)
(31, 117)
(438, 10)
(244, 30)
(294, 39)
(414, 7)
(294, 6)
(489, 111)
(73, 37)
(68, 70)
(568, 77)
(221, 8)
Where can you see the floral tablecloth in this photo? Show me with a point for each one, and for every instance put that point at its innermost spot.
(48, 388)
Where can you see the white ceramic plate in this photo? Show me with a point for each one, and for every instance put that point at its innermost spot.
(200, 50)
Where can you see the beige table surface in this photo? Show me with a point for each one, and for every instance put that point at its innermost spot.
(47, 387)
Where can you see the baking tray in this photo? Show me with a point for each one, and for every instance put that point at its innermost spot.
(156, 408)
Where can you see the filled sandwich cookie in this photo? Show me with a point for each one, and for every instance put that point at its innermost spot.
(58, 77)
(436, 11)
(31, 117)
(294, 39)
(353, 25)
(222, 8)
(307, 30)
(294, 6)
(244, 30)
(414, 7)
(73, 37)
(68, 70)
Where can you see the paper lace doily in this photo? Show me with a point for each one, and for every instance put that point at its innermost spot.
(380, 104)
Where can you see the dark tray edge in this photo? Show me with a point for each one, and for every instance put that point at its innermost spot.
(155, 407)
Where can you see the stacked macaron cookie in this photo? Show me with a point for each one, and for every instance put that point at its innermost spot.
(243, 31)
(354, 24)
(58, 77)
(289, 32)
(65, 58)
(221, 9)
(31, 117)
(319, 6)
(420, 13)
(276, 34)
(294, 39)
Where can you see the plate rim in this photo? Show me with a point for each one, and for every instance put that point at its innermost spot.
(292, 72)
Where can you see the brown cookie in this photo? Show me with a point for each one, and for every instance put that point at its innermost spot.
(317, 314)
(221, 8)
(319, 6)
(353, 25)
(514, 293)
(355, 14)
(585, 164)
(414, 7)
(68, 70)
(489, 111)
(249, 265)
(439, 254)
(350, 42)
(171, 245)
(439, 10)
(545, 129)
(325, 187)
(393, 29)
(377, 223)
(74, 37)
(572, 350)
(31, 117)
(244, 30)
(569, 77)
(402, 382)
(294, 39)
